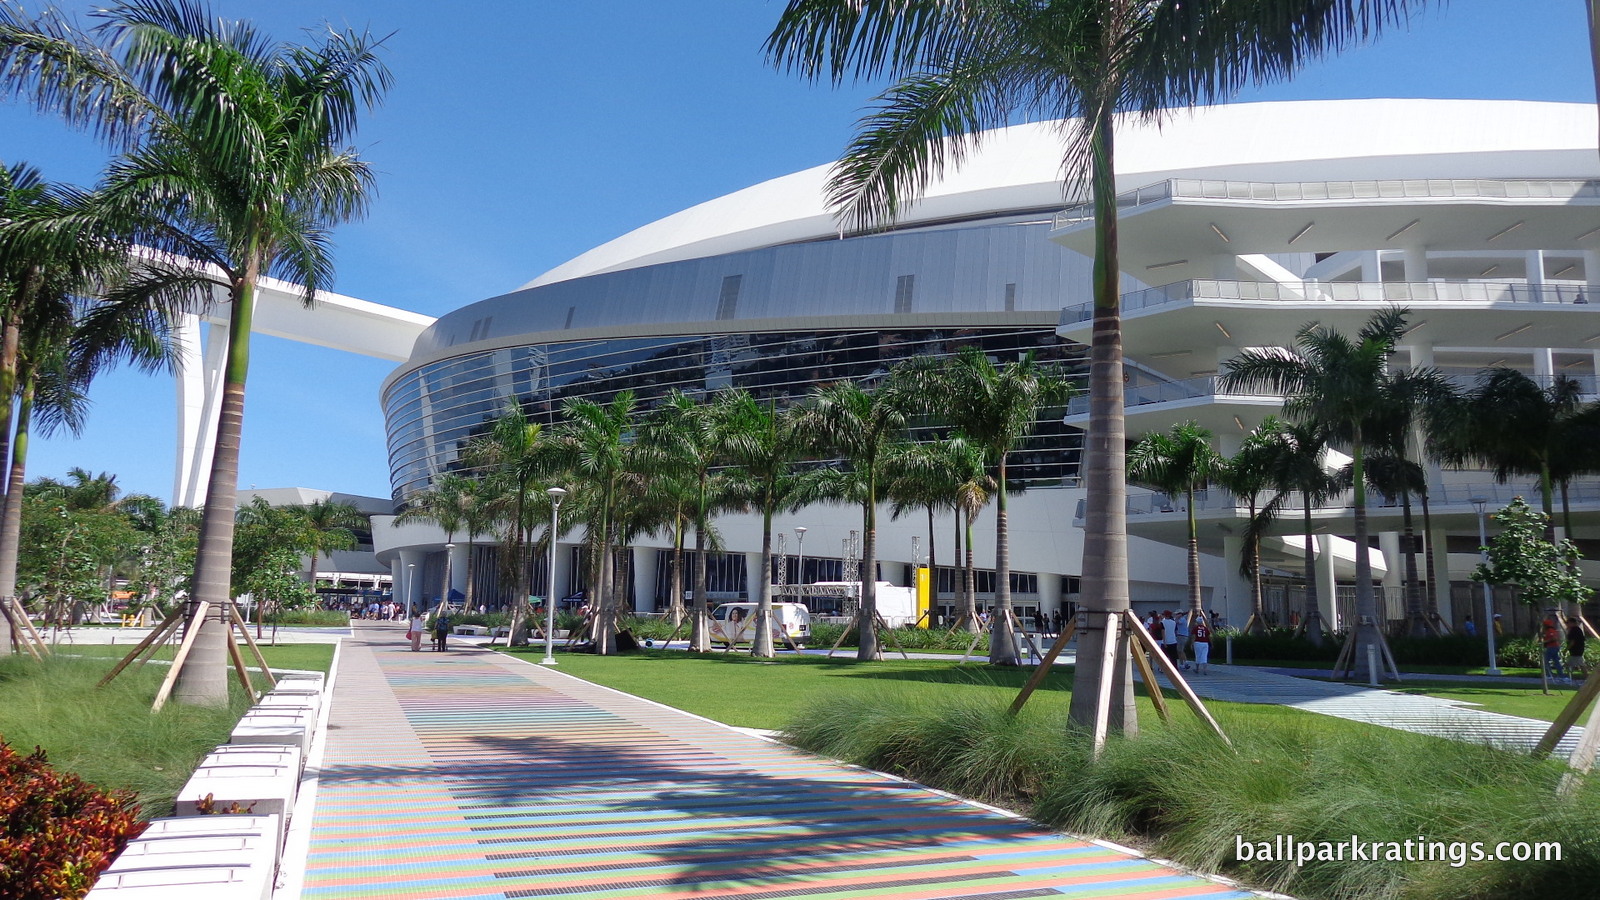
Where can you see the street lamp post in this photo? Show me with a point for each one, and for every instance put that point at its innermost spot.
(449, 551)
(800, 559)
(1478, 503)
(556, 494)
(411, 578)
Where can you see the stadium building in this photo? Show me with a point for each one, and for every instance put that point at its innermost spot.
(1241, 223)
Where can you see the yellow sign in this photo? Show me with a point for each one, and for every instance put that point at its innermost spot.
(924, 595)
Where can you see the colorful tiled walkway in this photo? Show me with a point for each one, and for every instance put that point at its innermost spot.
(470, 775)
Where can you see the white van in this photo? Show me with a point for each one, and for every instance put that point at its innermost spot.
(735, 623)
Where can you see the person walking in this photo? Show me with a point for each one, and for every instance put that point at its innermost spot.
(1469, 627)
(1169, 636)
(1550, 637)
(414, 631)
(1181, 621)
(1202, 645)
(441, 630)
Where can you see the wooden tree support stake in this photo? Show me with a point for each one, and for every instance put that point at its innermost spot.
(1102, 701)
(1042, 671)
(1581, 700)
(150, 641)
(1142, 660)
(238, 666)
(18, 635)
(22, 628)
(197, 622)
(878, 622)
(255, 651)
(855, 621)
(1136, 627)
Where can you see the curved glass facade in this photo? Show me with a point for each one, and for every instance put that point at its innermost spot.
(433, 411)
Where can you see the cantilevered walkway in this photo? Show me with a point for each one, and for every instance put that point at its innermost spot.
(472, 775)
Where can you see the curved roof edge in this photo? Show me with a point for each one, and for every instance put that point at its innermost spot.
(1019, 168)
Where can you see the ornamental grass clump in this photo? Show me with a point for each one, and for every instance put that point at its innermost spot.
(57, 832)
(1178, 791)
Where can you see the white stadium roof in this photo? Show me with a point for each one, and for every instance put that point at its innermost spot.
(1019, 168)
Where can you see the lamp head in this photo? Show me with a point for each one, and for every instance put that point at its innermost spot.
(556, 495)
(1478, 502)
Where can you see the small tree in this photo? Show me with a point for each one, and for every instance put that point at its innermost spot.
(1545, 572)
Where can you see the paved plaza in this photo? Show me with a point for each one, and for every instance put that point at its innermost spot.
(470, 774)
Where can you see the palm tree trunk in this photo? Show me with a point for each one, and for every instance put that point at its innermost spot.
(761, 643)
(867, 616)
(1368, 630)
(11, 517)
(204, 678)
(700, 634)
(1313, 602)
(8, 388)
(1105, 549)
(970, 580)
(1415, 610)
(522, 558)
(1428, 561)
(1258, 609)
(933, 572)
(1002, 636)
(470, 567)
(675, 603)
(1196, 603)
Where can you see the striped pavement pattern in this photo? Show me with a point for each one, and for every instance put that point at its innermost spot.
(471, 775)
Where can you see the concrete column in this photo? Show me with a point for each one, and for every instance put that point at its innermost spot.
(1591, 273)
(1050, 585)
(458, 568)
(1421, 355)
(1416, 263)
(1327, 582)
(1371, 266)
(1394, 563)
(1236, 600)
(645, 561)
(1439, 540)
(1544, 364)
(753, 576)
(1534, 268)
(561, 578)
(407, 571)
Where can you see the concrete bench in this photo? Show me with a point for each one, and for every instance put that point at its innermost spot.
(471, 629)
(501, 631)
(275, 701)
(196, 858)
(262, 790)
(253, 755)
(290, 727)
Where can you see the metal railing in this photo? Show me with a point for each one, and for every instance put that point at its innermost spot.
(1149, 393)
(1335, 291)
(1323, 191)
(1451, 497)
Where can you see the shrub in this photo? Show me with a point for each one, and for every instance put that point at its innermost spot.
(824, 635)
(57, 832)
(1176, 789)
(320, 618)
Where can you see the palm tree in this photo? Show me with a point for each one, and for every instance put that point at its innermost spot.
(682, 442)
(994, 407)
(513, 455)
(1394, 476)
(1178, 464)
(1342, 386)
(330, 525)
(1297, 465)
(864, 428)
(964, 66)
(924, 477)
(764, 447)
(591, 445)
(236, 168)
(1516, 426)
(437, 505)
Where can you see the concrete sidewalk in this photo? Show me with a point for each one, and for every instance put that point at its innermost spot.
(469, 774)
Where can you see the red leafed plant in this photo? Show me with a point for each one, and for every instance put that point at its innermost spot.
(57, 831)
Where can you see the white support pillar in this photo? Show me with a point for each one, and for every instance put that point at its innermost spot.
(561, 578)
(1236, 600)
(458, 569)
(1534, 268)
(1416, 263)
(199, 391)
(1591, 273)
(1327, 582)
(1049, 592)
(1544, 364)
(1394, 564)
(644, 579)
(407, 571)
(1371, 266)
(1440, 542)
(752, 576)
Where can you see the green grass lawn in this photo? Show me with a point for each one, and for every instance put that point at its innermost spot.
(316, 657)
(108, 735)
(1527, 702)
(1512, 671)
(740, 690)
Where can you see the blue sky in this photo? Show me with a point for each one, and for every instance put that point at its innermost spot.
(520, 133)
